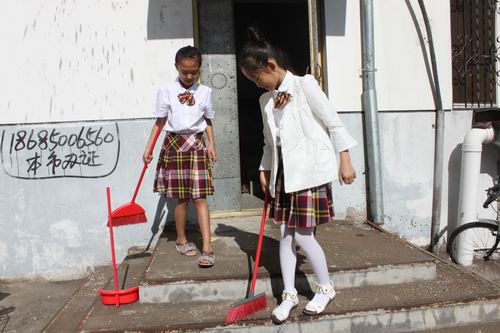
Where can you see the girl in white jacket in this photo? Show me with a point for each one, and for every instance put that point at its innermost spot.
(298, 165)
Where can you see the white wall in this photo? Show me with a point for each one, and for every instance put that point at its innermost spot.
(84, 61)
(55, 69)
(407, 143)
(407, 119)
(402, 78)
(87, 60)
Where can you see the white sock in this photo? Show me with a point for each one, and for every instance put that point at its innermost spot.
(304, 237)
(285, 307)
(288, 262)
(288, 257)
(321, 299)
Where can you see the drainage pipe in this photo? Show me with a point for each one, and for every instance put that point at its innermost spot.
(369, 99)
(438, 139)
(472, 148)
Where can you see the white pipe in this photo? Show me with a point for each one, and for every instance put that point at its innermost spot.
(469, 182)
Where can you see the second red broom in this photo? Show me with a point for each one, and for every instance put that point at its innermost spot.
(252, 303)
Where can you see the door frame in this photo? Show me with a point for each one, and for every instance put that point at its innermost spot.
(317, 41)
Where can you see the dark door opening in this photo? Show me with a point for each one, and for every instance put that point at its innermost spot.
(285, 25)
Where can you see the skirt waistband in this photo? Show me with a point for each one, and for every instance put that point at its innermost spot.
(184, 142)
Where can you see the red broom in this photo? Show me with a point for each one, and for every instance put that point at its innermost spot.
(253, 303)
(132, 213)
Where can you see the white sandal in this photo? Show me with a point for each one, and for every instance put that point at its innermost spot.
(279, 316)
(315, 308)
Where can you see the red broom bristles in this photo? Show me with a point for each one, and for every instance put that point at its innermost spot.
(246, 308)
(132, 219)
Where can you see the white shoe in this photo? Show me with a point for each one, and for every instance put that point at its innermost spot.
(313, 308)
(279, 315)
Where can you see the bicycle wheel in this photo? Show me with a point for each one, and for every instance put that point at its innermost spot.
(470, 242)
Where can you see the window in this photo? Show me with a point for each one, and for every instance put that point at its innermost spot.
(474, 52)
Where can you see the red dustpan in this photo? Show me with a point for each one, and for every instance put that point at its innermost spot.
(116, 296)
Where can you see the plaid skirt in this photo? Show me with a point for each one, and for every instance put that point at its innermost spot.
(183, 170)
(307, 208)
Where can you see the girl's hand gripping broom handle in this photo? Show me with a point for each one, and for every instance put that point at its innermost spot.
(259, 245)
(145, 165)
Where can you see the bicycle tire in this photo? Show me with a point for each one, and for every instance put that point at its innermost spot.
(488, 230)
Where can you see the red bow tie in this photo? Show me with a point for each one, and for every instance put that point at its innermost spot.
(281, 99)
(186, 97)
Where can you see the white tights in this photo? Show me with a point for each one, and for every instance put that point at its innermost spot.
(303, 237)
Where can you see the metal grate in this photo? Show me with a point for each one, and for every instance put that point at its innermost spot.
(474, 52)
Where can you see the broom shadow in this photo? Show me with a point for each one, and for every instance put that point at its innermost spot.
(159, 217)
(125, 275)
(269, 259)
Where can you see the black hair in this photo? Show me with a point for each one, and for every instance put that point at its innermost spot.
(189, 52)
(257, 51)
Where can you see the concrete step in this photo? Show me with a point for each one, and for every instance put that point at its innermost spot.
(76, 307)
(78, 304)
(349, 249)
(454, 298)
(482, 327)
(34, 302)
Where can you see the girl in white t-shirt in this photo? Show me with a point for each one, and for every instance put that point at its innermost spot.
(184, 110)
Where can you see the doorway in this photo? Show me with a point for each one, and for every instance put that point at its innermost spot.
(284, 23)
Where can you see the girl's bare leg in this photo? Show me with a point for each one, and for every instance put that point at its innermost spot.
(180, 220)
(204, 222)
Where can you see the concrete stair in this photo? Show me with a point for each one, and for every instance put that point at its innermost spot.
(365, 309)
(351, 259)
(383, 283)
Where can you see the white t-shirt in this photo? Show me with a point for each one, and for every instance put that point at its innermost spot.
(182, 118)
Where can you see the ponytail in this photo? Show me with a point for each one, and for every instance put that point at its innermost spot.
(256, 53)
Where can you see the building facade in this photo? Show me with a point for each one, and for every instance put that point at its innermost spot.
(77, 95)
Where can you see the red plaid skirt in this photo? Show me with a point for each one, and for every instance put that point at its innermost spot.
(183, 170)
(304, 209)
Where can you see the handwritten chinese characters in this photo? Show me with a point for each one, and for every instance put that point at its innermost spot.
(88, 151)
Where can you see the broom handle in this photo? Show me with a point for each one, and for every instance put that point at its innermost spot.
(145, 166)
(112, 241)
(259, 245)
(140, 181)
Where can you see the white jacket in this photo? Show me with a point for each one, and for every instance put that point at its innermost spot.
(309, 158)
